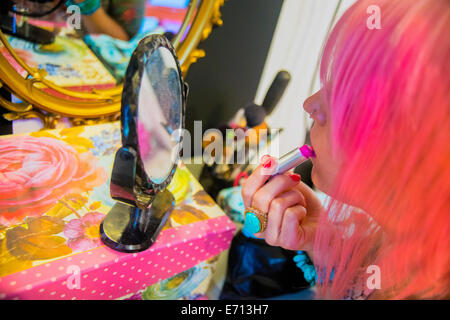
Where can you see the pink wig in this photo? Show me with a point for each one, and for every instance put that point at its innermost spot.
(388, 91)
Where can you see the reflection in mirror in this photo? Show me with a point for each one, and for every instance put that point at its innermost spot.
(159, 115)
(90, 52)
(79, 77)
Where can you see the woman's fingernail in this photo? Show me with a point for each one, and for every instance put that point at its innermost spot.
(267, 163)
(295, 177)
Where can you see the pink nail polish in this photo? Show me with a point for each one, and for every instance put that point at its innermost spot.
(295, 177)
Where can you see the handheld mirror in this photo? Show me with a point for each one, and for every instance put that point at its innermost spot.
(152, 119)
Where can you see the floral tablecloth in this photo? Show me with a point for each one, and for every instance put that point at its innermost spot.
(54, 193)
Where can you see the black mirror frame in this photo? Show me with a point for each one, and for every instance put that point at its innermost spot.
(129, 182)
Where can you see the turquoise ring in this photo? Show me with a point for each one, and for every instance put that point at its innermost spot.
(255, 221)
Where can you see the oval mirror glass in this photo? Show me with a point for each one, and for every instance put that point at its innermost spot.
(159, 114)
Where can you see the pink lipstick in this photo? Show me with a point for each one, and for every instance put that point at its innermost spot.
(294, 158)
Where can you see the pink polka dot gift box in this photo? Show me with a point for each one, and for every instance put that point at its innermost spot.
(54, 193)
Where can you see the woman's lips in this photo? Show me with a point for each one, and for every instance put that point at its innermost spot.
(314, 153)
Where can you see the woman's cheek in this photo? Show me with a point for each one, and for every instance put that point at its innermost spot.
(317, 146)
(323, 165)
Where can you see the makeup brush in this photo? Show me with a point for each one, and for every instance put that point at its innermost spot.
(276, 91)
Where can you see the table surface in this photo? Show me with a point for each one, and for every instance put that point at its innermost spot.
(55, 192)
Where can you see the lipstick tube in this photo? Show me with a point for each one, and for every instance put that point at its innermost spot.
(293, 159)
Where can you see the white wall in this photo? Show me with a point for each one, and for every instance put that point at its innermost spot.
(296, 47)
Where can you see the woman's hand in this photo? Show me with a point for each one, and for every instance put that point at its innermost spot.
(293, 208)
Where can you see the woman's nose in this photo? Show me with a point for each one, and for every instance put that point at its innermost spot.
(315, 107)
(311, 104)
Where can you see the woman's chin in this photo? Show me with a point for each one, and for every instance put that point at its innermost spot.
(314, 177)
(318, 181)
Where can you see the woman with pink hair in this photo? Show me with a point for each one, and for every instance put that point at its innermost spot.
(381, 135)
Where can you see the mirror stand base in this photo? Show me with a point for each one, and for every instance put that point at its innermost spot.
(130, 229)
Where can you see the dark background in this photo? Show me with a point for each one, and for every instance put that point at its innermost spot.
(228, 77)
